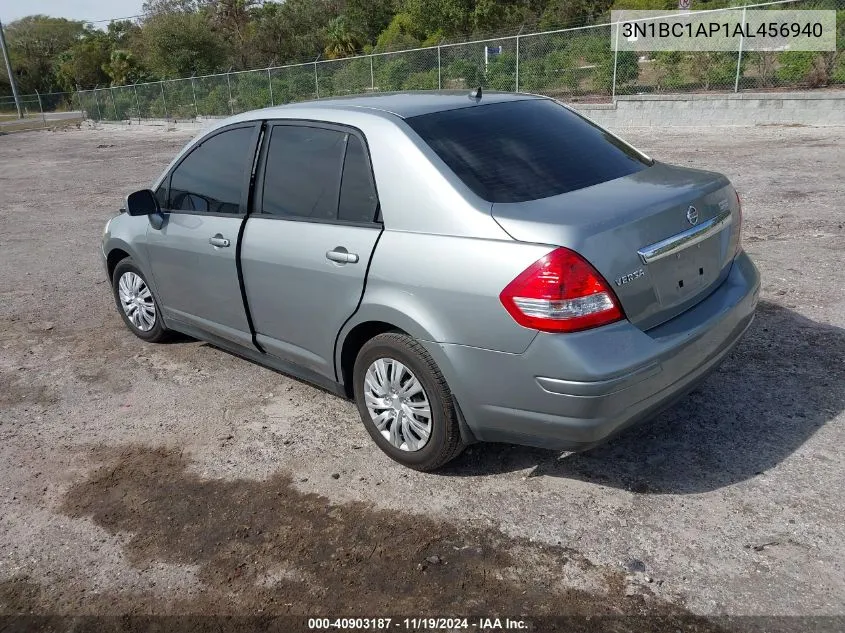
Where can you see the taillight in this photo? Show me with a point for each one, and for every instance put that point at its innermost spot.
(738, 223)
(561, 292)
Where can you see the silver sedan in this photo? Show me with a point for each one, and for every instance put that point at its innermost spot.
(466, 267)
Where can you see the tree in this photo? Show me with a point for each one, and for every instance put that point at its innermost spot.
(293, 31)
(401, 33)
(122, 68)
(232, 19)
(35, 45)
(369, 18)
(340, 41)
(83, 63)
(180, 45)
(450, 17)
(122, 33)
(156, 7)
(487, 15)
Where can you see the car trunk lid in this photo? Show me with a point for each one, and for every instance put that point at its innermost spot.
(662, 237)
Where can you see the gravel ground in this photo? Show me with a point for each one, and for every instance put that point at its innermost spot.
(177, 478)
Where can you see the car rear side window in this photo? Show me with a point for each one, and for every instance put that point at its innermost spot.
(525, 150)
(358, 199)
(302, 178)
(211, 179)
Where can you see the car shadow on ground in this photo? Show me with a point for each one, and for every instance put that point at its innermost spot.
(784, 381)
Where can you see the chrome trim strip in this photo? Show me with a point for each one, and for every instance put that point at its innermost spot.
(676, 243)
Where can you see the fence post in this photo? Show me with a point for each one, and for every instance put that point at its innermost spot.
(739, 54)
(163, 100)
(439, 70)
(229, 85)
(194, 92)
(97, 101)
(41, 108)
(137, 102)
(113, 103)
(372, 76)
(316, 78)
(615, 61)
(516, 89)
(270, 83)
(79, 99)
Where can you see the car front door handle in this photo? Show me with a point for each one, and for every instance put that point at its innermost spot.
(219, 241)
(342, 256)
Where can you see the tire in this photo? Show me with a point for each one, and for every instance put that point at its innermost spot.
(443, 442)
(157, 332)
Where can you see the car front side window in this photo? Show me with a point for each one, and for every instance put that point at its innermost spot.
(211, 178)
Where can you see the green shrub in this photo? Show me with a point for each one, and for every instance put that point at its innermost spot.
(501, 72)
(710, 69)
(421, 81)
(392, 73)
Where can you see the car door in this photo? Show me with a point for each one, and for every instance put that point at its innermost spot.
(193, 255)
(308, 242)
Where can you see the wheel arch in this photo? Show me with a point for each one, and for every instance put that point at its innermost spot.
(113, 258)
(352, 343)
(116, 250)
(370, 320)
(361, 329)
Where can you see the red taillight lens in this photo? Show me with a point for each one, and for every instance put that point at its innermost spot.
(738, 223)
(561, 292)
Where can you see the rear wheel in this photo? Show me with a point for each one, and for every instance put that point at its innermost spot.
(136, 303)
(405, 403)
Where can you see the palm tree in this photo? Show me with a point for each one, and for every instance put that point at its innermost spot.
(340, 41)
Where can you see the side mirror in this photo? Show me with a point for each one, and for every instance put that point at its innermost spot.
(142, 203)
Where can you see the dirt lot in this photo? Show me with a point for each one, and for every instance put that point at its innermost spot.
(142, 479)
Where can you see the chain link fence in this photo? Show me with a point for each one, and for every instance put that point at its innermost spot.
(35, 106)
(577, 64)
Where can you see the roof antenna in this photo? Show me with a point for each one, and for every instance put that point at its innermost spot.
(476, 94)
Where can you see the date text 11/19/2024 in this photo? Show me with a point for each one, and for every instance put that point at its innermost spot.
(415, 624)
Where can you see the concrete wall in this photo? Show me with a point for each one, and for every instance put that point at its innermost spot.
(825, 107)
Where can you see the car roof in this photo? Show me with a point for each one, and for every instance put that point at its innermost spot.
(402, 104)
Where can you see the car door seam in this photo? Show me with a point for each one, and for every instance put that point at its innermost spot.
(242, 284)
(242, 229)
(338, 377)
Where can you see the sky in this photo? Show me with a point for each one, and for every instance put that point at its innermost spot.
(90, 10)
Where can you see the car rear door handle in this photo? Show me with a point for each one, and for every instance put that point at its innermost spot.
(342, 256)
(219, 241)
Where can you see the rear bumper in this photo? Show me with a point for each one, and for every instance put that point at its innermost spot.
(572, 391)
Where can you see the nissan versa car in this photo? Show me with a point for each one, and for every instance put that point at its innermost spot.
(483, 267)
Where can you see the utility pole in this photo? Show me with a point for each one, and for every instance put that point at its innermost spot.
(9, 71)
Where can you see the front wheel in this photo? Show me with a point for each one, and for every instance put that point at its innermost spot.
(405, 403)
(136, 303)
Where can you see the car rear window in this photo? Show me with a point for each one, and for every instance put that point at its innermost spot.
(525, 150)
